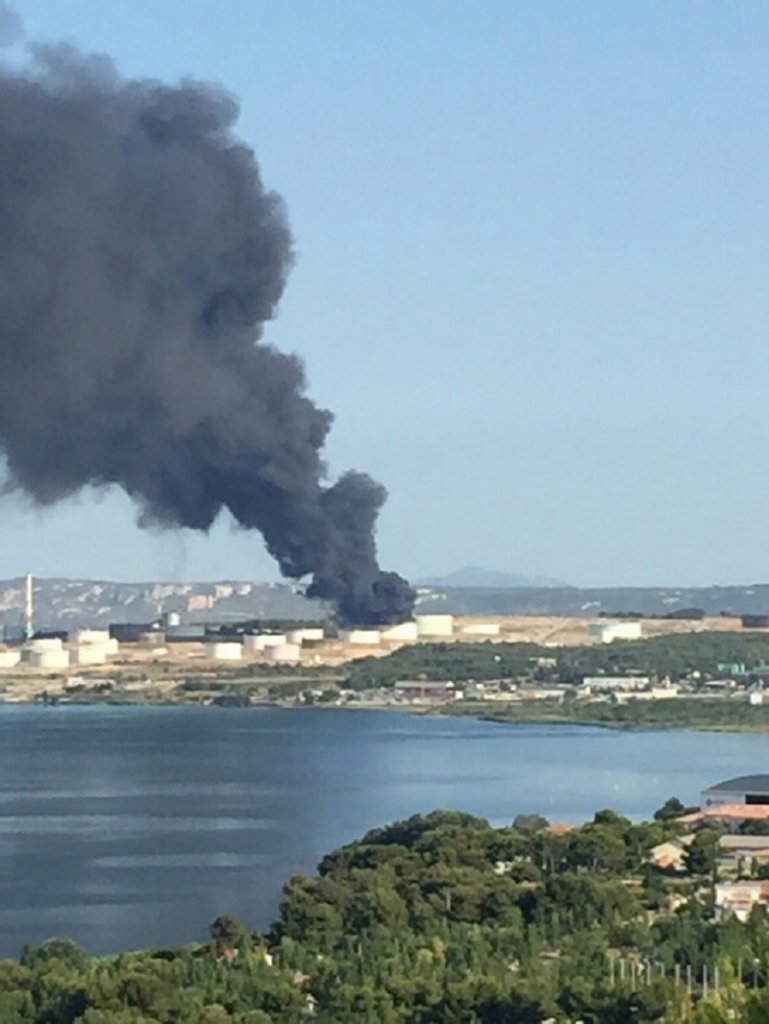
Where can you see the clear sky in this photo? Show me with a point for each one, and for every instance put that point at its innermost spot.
(533, 275)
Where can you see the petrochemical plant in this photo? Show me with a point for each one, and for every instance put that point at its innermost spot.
(168, 639)
(61, 652)
(170, 659)
(169, 646)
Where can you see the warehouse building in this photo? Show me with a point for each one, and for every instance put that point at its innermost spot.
(745, 789)
(424, 690)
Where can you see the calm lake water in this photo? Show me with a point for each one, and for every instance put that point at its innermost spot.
(127, 827)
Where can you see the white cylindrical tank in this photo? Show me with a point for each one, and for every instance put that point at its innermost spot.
(91, 636)
(49, 659)
(310, 634)
(9, 659)
(224, 650)
(273, 640)
(261, 641)
(52, 643)
(435, 625)
(400, 631)
(616, 631)
(89, 654)
(284, 653)
(362, 636)
(173, 619)
(480, 628)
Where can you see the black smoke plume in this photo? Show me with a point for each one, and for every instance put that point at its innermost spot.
(140, 256)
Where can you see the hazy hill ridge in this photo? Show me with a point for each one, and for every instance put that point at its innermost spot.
(68, 603)
(475, 576)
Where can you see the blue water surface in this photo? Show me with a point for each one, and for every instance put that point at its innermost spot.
(127, 827)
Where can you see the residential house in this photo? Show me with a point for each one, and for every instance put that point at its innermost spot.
(670, 855)
(736, 852)
(739, 898)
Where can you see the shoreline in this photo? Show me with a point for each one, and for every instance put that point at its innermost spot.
(445, 711)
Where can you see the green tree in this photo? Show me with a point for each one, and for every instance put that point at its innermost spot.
(702, 853)
(672, 808)
(530, 823)
(228, 932)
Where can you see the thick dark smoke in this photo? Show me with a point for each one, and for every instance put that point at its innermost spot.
(140, 256)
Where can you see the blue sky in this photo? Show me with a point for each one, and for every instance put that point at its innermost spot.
(533, 275)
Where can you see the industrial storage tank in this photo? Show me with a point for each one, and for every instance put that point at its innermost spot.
(50, 659)
(400, 631)
(480, 628)
(89, 654)
(435, 625)
(9, 659)
(224, 650)
(91, 636)
(616, 631)
(96, 638)
(284, 653)
(370, 637)
(34, 647)
(308, 634)
(47, 643)
(261, 641)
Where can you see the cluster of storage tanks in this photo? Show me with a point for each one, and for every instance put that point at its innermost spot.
(281, 648)
(423, 627)
(87, 647)
(95, 646)
(286, 648)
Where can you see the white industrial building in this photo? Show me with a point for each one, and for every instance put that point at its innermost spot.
(608, 684)
(744, 789)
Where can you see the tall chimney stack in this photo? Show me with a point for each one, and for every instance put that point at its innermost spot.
(28, 627)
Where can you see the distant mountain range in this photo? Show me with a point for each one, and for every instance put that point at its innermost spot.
(70, 603)
(591, 601)
(473, 576)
